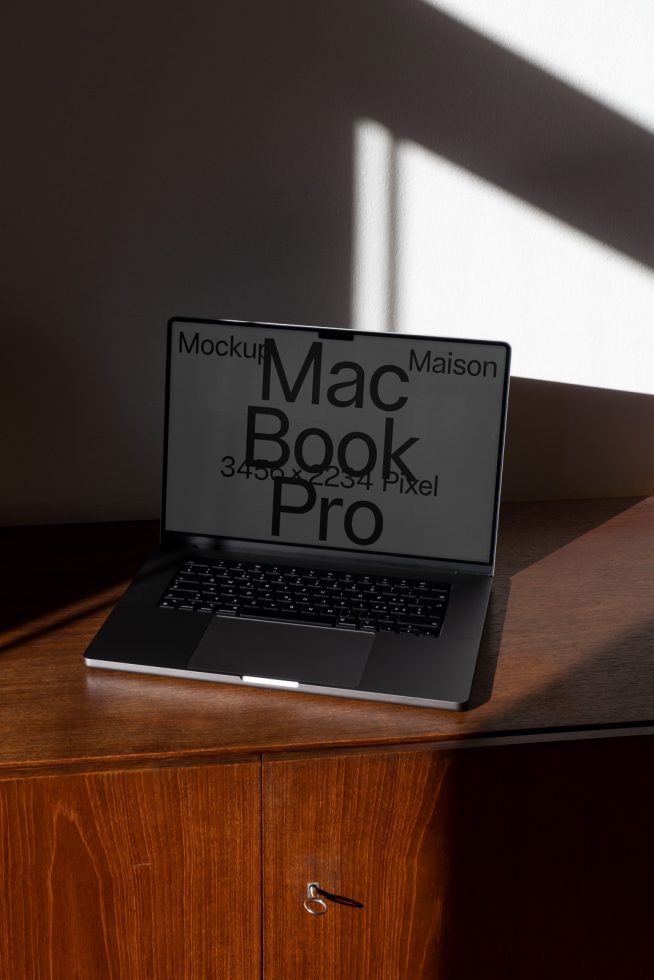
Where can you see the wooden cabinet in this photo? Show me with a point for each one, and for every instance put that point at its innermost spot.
(167, 829)
(513, 861)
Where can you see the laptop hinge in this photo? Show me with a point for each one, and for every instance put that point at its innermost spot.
(400, 565)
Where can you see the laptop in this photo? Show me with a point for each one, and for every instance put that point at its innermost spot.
(329, 515)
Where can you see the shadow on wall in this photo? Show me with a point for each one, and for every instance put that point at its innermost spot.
(201, 163)
(70, 429)
(569, 441)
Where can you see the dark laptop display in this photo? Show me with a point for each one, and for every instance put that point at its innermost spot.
(329, 512)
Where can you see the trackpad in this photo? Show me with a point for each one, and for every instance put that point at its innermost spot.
(283, 651)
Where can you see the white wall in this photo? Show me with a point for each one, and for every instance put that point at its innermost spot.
(206, 159)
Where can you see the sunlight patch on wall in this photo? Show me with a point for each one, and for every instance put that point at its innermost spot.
(373, 194)
(602, 49)
(474, 261)
(460, 257)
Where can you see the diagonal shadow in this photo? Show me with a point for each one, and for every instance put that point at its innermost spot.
(432, 80)
(558, 524)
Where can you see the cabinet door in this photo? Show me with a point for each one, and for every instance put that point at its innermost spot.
(372, 828)
(133, 874)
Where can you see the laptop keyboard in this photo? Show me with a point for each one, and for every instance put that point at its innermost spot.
(345, 600)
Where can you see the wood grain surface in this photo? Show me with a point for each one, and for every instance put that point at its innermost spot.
(367, 828)
(512, 863)
(131, 876)
(569, 646)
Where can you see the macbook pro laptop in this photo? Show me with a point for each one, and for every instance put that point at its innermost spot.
(329, 518)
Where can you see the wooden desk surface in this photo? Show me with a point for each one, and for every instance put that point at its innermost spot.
(568, 648)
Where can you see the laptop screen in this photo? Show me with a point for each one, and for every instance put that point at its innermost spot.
(332, 438)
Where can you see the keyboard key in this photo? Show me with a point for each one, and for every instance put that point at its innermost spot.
(289, 611)
(250, 604)
(254, 612)
(226, 609)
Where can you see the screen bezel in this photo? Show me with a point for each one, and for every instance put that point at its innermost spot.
(291, 550)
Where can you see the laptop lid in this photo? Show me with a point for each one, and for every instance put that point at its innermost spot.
(387, 444)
